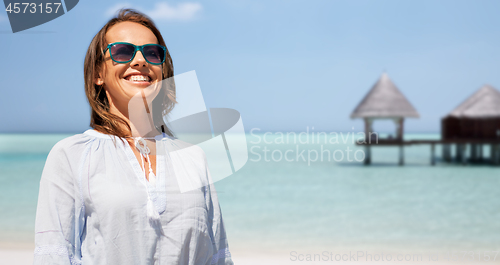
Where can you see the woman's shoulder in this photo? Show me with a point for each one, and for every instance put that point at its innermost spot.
(73, 146)
(71, 142)
(65, 155)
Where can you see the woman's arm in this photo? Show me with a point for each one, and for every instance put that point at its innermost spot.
(60, 213)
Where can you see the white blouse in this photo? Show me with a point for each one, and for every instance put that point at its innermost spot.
(92, 206)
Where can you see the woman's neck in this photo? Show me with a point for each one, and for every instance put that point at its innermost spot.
(140, 122)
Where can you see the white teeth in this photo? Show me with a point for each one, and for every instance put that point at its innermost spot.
(139, 78)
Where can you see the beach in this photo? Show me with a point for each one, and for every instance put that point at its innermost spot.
(24, 256)
(16, 256)
(279, 211)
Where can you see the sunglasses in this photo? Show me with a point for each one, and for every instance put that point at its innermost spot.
(124, 52)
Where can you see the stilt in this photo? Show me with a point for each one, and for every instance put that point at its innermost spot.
(474, 155)
(401, 155)
(461, 156)
(495, 154)
(492, 153)
(464, 156)
(368, 131)
(480, 152)
(433, 156)
(458, 153)
(368, 155)
(446, 152)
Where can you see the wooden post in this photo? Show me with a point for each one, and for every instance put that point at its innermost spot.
(446, 152)
(458, 153)
(368, 155)
(473, 152)
(495, 154)
(399, 137)
(368, 129)
(464, 156)
(480, 152)
(401, 155)
(492, 153)
(399, 128)
(433, 156)
(461, 156)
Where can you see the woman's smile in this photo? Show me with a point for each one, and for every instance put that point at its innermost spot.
(138, 79)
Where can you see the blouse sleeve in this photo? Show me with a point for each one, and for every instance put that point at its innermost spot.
(221, 255)
(60, 213)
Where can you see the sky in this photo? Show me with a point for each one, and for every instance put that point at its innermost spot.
(284, 65)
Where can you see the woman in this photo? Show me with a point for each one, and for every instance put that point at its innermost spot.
(107, 197)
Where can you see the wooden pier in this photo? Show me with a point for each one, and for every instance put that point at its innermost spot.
(475, 146)
(475, 123)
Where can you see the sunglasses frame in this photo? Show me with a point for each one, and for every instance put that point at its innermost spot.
(137, 48)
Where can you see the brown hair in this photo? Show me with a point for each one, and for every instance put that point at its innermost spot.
(101, 118)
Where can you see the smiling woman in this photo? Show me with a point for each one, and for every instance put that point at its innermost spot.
(108, 75)
(111, 194)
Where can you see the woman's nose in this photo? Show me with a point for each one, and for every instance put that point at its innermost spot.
(139, 60)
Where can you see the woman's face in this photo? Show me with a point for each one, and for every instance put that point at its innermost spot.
(124, 80)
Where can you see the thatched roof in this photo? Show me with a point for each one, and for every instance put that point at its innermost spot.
(384, 100)
(484, 103)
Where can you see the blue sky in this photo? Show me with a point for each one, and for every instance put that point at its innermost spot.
(284, 65)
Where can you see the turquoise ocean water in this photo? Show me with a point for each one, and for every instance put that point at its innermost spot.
(311, 204)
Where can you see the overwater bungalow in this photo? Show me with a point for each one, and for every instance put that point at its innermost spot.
(384, 101)
(474, 124)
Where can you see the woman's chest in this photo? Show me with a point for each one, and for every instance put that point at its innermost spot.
(113, 188)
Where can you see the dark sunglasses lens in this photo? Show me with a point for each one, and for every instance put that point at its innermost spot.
(122, 52)
(154, 54)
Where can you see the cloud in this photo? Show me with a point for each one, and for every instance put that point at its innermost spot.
(163, 11)
(181, 12)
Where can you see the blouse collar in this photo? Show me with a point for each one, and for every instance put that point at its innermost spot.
(98, 134)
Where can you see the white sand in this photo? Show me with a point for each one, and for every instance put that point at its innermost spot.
(19, 256)
(266, 257)
(23, 255)
(16, 256)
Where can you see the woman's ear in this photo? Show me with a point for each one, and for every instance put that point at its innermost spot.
(99, 81)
